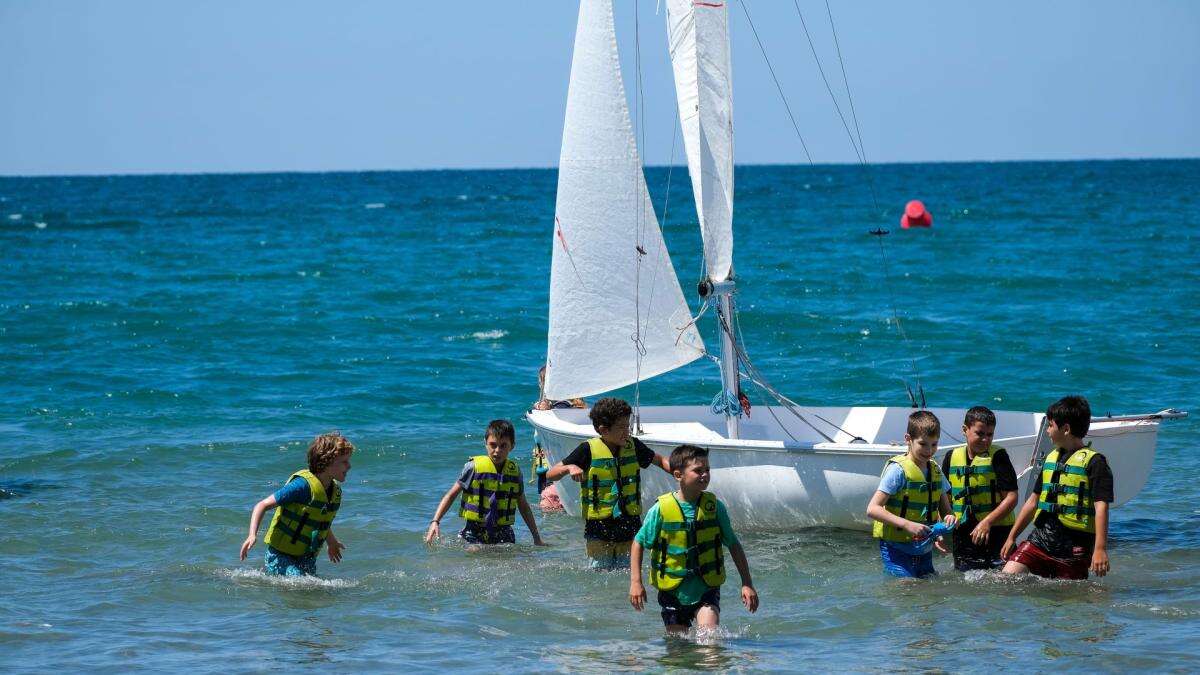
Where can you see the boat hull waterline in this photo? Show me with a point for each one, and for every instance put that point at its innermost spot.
(781, 475)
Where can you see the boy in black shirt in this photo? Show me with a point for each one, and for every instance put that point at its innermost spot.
(1070, 501)
(983, 492)
(608, 469)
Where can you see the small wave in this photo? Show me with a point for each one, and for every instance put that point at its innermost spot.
(40, 225)
(479, 335)
(242, 575)
(15, 216)
(374, 205)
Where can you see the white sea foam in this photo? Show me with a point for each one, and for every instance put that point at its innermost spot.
(480, 335)
(40, 225)
(15, 216)
(241, 575)
(374, 205)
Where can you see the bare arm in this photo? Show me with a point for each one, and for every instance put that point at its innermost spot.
(527, 516)
(876, 511)
(662, 463)
(1099, 564)
(256, 515)
(434, 530)
(637, 592)
(749, 595)
(559, 470)
(1023, 519)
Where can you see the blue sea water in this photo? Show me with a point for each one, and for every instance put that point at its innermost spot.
(169, 345)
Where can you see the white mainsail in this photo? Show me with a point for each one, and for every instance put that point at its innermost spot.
(614, 296)
(698, 38)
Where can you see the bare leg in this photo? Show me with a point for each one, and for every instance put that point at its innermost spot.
(1014, 567)
(677, 629)
(707, 618)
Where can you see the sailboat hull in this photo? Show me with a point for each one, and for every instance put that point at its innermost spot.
(783, 474)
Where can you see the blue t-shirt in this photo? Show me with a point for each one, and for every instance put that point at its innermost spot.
(295, 492)
(893, 479)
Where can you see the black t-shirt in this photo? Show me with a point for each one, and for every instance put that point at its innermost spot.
(1060, 541)
(1002, 468)
(623, 527)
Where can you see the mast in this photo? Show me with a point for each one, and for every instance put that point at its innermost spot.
(698, 39)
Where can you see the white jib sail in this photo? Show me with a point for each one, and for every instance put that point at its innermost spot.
(613, 290)
(698, 38)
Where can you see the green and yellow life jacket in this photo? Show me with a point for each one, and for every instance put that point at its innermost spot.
(973, 491)
(300, 529)
(684, 548)
(613, 486)
(917, 500)
(1065, 489)
(488, 487)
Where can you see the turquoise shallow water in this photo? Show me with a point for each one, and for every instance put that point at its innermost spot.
(169, 344)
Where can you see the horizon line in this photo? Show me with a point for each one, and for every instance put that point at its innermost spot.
(269, 172)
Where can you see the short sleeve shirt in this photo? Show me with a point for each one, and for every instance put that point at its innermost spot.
(1002, 468)
(893, 479)
(692, 587)
(468, 475)
(621, 528)
(296, 491)
(1060, 541)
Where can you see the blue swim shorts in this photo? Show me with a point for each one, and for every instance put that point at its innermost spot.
(290, 565)
(901, 564)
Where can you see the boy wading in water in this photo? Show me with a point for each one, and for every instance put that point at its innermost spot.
(1068, 505)
(911, 494)
(304, 510)
(686, 532)
(983, 492)
(608, 469)
(492, 493)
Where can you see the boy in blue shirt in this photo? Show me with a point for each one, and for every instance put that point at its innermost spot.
(912, 492)
(304, 511)
(685, 531)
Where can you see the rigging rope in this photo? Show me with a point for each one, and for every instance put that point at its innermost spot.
(778, 87)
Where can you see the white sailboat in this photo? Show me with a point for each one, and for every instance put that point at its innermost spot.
(618, 315)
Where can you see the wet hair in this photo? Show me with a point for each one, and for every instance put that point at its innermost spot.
(1073, 411)
(686, 454)
(980, 413)
(923, 423)
(607, 411)
(326, 448)
(501, 429)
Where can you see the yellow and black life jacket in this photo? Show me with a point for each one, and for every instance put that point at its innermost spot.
(684, 547)
(300, 529)
(491, 489)
(1065, 489)
(973, 491)
(916, 500)
(613, 485)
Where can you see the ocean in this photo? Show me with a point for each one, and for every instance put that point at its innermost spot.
(170, 344)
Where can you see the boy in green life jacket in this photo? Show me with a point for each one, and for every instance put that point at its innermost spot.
(686, 533)
(912, 493)
(608, 470)
(492, 492)
(304, 511)
(983, 492)
(1068, 504)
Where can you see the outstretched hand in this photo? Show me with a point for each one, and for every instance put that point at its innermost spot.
(637, 595)
(335, 550)
(434, 533)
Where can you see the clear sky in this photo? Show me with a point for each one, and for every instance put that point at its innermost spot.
(136, 86)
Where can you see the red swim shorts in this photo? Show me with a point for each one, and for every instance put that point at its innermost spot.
(1045, 565)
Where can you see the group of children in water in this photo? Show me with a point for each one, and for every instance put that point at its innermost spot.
(686, 532)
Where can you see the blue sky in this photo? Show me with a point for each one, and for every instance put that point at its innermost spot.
(133, 86)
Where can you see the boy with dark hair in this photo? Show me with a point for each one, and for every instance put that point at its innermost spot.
(304, 511)
(608, 469)
(1068, 504)
(983, 492)
(911, 492)
(685, 531)
(492, 492)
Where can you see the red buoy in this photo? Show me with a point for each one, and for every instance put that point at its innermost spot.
(915, 215)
